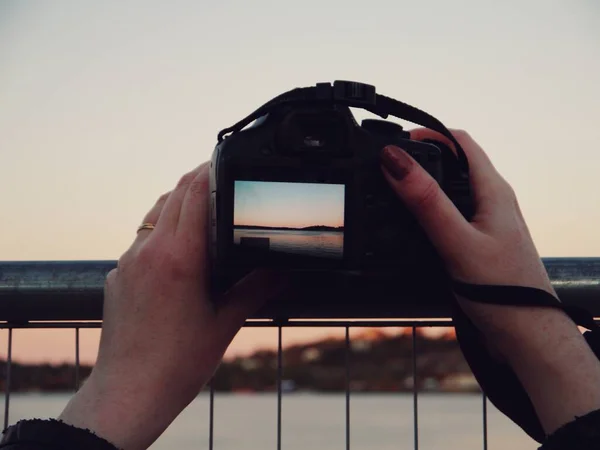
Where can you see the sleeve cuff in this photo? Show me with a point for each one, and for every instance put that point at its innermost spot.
(53, 433)
(583, 433)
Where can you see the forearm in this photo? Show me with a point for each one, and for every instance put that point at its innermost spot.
(130, 415)
(548, 354)
(108, 412)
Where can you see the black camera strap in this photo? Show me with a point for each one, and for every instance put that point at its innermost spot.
(355, 95)
(497, 378)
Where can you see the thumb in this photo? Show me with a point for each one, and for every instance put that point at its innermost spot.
(420, 192)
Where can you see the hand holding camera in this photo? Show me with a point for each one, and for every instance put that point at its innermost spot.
(495, 248)
(435, 214)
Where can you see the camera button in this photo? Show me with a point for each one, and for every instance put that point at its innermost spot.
(386, 128)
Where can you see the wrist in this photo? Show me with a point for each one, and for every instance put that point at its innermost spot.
(517, 329)
(555, 358)
(129, 413)
(547, 352)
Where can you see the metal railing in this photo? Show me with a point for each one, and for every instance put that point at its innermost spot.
(53, 295)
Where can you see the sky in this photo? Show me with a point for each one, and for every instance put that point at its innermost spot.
(104, 105)
(288, 205)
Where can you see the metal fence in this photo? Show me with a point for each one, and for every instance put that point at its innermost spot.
(68, 295)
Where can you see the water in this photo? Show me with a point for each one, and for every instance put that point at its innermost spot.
(377, 422)
(327, 244)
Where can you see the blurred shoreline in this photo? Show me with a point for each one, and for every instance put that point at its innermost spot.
(377, 363)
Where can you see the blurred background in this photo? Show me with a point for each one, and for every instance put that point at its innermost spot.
(104, 105)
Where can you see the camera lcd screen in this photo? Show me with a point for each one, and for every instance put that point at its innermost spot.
(295, 218)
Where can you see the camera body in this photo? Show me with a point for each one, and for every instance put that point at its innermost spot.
(302, 190)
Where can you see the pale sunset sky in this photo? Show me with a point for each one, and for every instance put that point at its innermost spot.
(103, 105)
(288, 205)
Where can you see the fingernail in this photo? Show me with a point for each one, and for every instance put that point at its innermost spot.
(396, 161)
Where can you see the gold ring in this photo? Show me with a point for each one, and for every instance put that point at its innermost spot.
(145, 226)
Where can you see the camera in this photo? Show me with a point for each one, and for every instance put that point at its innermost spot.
(298, 186)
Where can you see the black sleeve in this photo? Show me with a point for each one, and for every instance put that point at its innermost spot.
(51, 434)
(581, 434)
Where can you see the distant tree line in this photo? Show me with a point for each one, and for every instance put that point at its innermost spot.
(374, 365)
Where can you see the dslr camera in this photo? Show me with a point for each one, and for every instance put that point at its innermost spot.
(297, 186)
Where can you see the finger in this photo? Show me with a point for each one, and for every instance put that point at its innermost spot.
(194, 209)
(248, 295)
(420, 134)
(110, 279)
(485, 179)
(422, 195)
(472, 149)
(152, 216)
(169, 217)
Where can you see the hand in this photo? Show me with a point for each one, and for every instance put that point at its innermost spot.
(496, 248)
(162, 339)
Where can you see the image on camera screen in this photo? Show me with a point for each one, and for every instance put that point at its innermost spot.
(297, 218)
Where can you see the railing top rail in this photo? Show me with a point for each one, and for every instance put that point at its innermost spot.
(73, 290)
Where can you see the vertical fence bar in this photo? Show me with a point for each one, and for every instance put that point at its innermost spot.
(347, 388)
(348, 356)
(76, 359)
(8, 368)
(485, 427)
(415, 389)
(279, 377)
(211, 415)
